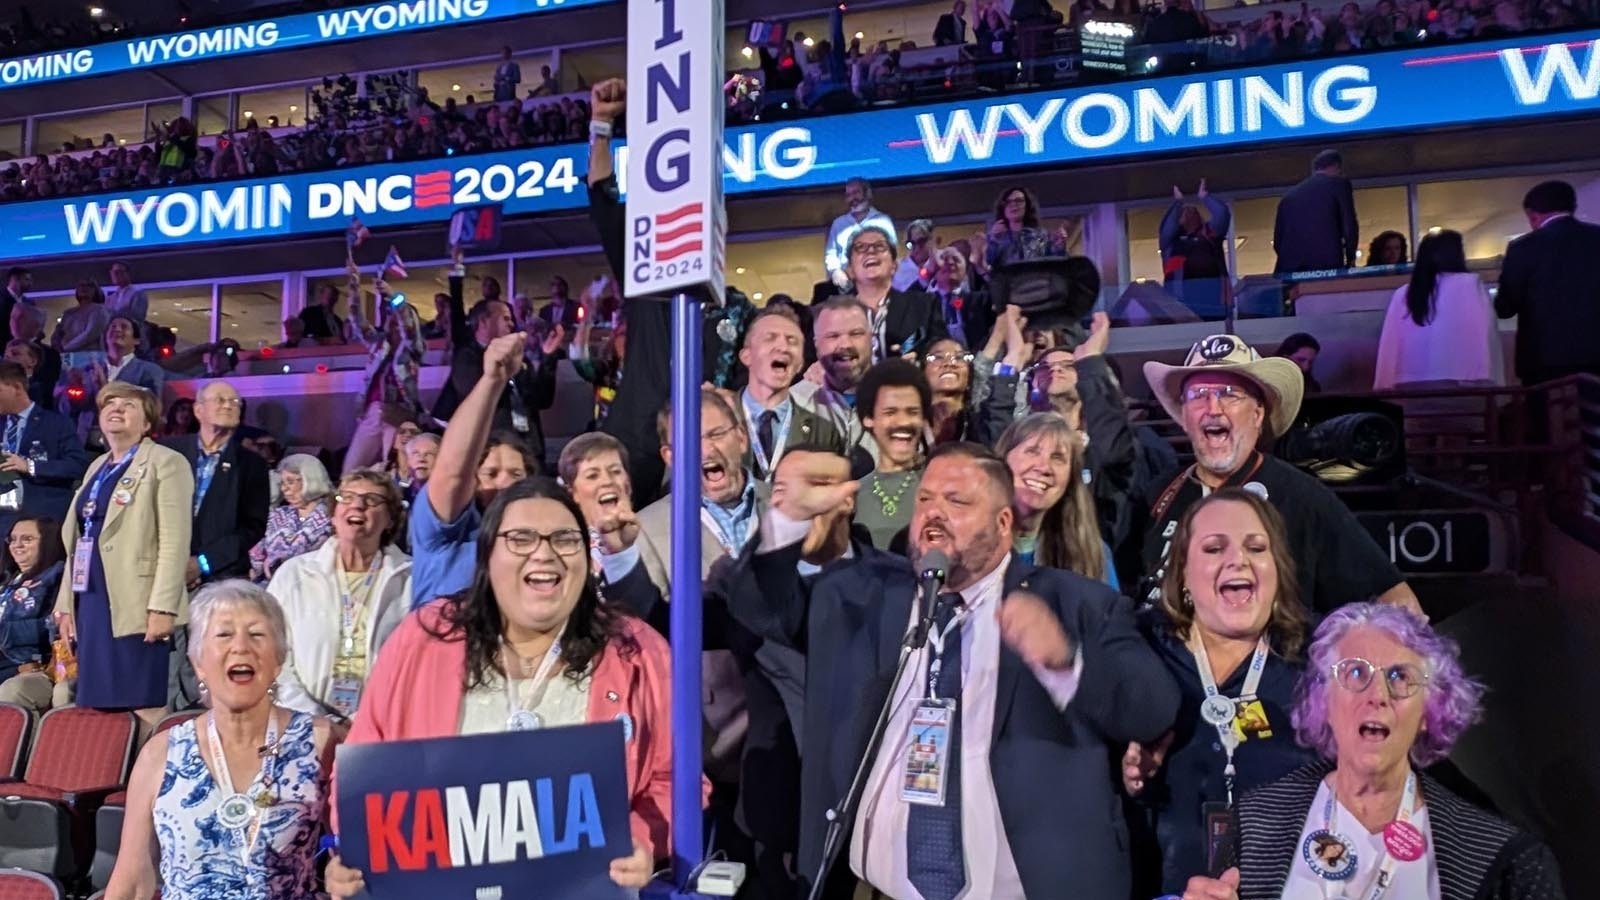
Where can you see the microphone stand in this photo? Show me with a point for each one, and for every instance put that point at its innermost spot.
(845, 809)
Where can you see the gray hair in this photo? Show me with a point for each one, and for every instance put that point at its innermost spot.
(230, 594)
(312, 473)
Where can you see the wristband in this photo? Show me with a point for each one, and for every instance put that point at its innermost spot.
(31, 473)
(599, 129)
(1004, 369)
(205, 567)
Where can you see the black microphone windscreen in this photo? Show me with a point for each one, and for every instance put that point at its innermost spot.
(933, 560)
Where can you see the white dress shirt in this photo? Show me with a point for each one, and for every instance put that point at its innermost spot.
(878, 841)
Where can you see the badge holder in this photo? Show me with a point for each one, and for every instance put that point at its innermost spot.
(928, 756)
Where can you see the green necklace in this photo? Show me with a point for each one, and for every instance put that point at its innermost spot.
(891, 505)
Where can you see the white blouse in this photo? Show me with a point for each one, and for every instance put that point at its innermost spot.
(1418, 880)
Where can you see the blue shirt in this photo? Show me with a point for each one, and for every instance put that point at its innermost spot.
(443, 554)
(734, 524)
(780, 427)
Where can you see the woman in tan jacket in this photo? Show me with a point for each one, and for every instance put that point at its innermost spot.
(127, 541)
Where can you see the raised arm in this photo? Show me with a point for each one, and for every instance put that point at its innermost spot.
(454, 479)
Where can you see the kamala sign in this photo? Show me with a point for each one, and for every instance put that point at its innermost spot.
(1401, 91)
(281, 33)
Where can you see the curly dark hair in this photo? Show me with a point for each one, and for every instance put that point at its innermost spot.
(473, 615)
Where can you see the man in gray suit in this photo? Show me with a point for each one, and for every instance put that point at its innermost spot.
(122, 338)
(731, 504)
(774, 352)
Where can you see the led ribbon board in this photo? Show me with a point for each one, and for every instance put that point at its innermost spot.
(1402, 91)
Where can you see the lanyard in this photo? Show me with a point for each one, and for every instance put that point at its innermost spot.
(879, 319)
(727, 537)
(779, 439)
(203, 475)
(348, 610)
(224, 774)
(516, 711)
(109, 470)
(936, 651)
(1252, 680)
(1385, 874)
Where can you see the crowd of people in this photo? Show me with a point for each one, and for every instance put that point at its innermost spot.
(389, 127)
(1136, 677)
(27, 32)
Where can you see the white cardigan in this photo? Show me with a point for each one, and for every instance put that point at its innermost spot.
(1461, 346)
(307, 588)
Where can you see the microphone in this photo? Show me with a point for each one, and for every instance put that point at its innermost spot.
(931, 571)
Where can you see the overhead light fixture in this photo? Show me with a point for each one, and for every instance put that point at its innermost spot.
(96, 12)
(757, 295)
(860, 35)
(248, 114)
(739, 270)
(293, 108)
(1435, 230)
(809, 42)
(747, 52)
(455, 87)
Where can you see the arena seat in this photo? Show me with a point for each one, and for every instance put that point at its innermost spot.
(81, 757)
(15, 726)
(20, 884)
(108, 818)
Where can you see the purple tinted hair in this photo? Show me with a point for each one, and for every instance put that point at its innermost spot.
(1451, 700)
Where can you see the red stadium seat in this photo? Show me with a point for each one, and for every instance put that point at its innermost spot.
(81, 757)
(19, 884)
(15, 726)
(108, 818)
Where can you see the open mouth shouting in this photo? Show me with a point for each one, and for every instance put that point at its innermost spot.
(714, 479)
(241, 673)
(1373, 732)
(782, 366)
(1237, 591)
(544, 581)
(1216, 434)
(903, 440)
(608, 499)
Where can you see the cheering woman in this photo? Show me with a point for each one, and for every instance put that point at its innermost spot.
(530, 645)
(1230, 631)
(230, 803)
(1383, 696)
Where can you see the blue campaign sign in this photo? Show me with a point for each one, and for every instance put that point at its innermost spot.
(1339, 97)
(519, 814)
(280, 33)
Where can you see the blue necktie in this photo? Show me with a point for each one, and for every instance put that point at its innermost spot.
(13, 433)
(935, 860)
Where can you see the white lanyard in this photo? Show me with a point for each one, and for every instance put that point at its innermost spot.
(779, 439)
(520, 717)
(879, 318)
(236, 804)
(348, 611)
(936, 641)
(1385, 875)
(1224, 724)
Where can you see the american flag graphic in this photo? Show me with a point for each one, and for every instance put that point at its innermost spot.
(678, 232)
(432, 188)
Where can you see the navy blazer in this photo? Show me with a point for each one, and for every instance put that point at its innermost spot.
(59, 461)
(24, 622)
(1054, 771)
(233, 515)
(145, 374)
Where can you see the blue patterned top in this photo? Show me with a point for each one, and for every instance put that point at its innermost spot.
(202, 860)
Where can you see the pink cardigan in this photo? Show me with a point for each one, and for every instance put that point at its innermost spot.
(415, 690)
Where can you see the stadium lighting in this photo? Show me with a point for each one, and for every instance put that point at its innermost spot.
(739, 270)
(747, 52)
(96, 12)
(809, 42)
(757, 295)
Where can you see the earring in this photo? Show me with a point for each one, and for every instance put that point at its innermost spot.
(272, 692)
(1187, 598)
(200, 685)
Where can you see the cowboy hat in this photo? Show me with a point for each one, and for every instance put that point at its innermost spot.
(1279, 381)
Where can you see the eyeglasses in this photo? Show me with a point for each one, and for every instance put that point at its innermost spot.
(1355, 674)
(948, 358)
(360, 499)
(225, 402)
(564, 541)
(1016, 198)
(1059, 367)
(1226, 394)
(872, 249)
(717, 434)
(22, 540)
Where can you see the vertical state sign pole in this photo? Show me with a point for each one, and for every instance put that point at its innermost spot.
(676, 245)
(685, 612)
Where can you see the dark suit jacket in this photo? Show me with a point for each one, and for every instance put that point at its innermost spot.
(805, 427)
(1316, 225)
(49, 439)
(1065, 829)
(946, 32)
(535, 386)
(42, 386)
(915, 321)
(1551, 280)
(1479, 856)
(7, 300)
(233, 515)
(569, 313)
